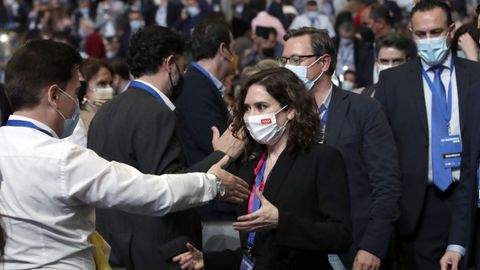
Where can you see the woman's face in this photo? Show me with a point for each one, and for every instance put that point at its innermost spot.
(102, 79)
(258, 101)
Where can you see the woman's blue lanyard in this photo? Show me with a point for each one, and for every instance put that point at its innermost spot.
(447, 114)
(146, 88)
(256, 201)
(22, 123)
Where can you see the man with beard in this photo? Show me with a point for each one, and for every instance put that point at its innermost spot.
(138, 128)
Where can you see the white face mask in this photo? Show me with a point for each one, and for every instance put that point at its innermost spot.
(103, 93)
(348, 85)
(264, 129)
(301, 72)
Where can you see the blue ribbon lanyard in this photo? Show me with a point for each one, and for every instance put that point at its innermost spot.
(22, 123)
(256, 201)
(448, 114)
(203, 71)
(148, 89)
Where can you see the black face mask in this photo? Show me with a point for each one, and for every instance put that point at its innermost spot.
(175, 89)
(268, 52)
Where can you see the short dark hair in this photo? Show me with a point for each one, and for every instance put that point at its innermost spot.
(120, 68)
(380, 12)
(149, 46)
(320, 41)
(471, 29)
(427, 5)
(207, 37)
(393, 40)
(36, 65)
(285, 87)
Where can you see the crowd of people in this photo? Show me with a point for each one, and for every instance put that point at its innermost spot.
(239, 134)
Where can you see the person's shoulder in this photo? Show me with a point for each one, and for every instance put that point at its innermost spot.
(318, 149)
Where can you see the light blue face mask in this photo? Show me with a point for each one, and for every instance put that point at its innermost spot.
(432, 50)
(193, 11)
(301, 72)
(70, 124)
(135, 25)
(312, 15)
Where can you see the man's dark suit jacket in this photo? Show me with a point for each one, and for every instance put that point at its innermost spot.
(200, 106)
(136, 129)
(363, 56)
(400, 90)
(4, 106)
(357, 126)
(465, 218)
(173, 12)
(310, 190)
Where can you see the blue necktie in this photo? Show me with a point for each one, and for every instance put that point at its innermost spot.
(442, 177)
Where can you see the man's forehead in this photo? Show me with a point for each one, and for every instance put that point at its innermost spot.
(429, 19)
(298, 45)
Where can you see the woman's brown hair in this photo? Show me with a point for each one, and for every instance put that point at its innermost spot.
(285, 87)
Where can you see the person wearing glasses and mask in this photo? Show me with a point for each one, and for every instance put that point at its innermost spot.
(424, 100)
(298, 209)
(357, 126)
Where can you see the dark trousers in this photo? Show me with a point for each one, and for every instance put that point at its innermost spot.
(425, 247)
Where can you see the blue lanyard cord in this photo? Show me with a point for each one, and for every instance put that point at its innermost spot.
(256, 201)
(148, 89)
(438, 98)
(21, 123)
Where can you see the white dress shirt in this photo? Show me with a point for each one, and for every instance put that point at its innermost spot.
(455, 120)
(49, 188)
(321, 22)
(165, 99)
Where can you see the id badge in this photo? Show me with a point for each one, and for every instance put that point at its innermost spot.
(451, 149)
(247, 263)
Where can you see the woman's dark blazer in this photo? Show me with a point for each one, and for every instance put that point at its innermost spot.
(310, 190)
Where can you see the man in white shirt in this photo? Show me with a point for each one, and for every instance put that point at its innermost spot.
(312, 18)
(49, 187)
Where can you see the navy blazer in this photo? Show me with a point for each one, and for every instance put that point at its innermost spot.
(310, 190)
(400, 90)
(357, 126)
(136, 129)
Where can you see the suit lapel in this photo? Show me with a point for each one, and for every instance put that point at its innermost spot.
(337, 112)
(278, 175)
(462, 76)
(416, 93)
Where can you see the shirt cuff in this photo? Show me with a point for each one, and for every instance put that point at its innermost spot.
(456, 248)
(212, 181)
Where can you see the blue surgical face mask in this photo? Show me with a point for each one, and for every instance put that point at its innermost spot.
(432, 50)
(135, 25)
(70, 123)
(193, 11)
(312, 15)
(301, 72)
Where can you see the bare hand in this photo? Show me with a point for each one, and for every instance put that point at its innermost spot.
(365, 260)
(236, 190)
(469, 46)
(264, 218)
(184, 14)
(191, 260)
(450, 260)
(227, 143)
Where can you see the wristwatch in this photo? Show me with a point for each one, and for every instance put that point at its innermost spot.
(220, 189)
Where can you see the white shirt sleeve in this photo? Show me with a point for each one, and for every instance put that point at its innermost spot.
(88, 178)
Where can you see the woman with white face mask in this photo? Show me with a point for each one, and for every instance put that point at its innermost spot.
(96, 78)
(298, 209)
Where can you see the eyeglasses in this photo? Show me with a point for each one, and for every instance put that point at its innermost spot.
(295, 59)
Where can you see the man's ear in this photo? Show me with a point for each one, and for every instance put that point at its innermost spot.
(169, 61)
(53, 93)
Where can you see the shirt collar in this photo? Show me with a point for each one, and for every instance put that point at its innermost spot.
(326, 101)
(165, 99)
(445, 63)
(215, 81)
(35, 122)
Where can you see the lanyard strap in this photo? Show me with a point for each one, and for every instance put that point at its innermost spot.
(204, 72)
(147, 88)
(21, 123)
(254, 202)
(448, 113)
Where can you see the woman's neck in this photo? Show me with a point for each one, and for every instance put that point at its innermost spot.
(274, 151)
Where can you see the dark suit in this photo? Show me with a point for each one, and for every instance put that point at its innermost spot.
(425, 210)
(199, 107)
(4, 106)
(465, 218)
(311, 193)
(357, 126)
(136, 129)
(173, 12)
